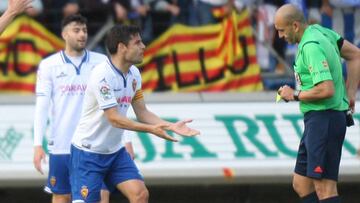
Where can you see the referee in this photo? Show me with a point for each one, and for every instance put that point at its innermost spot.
(324, 100)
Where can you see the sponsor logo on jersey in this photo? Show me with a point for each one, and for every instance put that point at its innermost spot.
(86, 145)
(61, 75)
(73, 88)
(124, 99)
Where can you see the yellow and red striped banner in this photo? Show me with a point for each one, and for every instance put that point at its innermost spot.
(219, 57)
(23, 44)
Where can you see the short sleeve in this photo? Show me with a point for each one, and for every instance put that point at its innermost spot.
(137, 76)
(102, 85)
(334, 37)
(315, 59)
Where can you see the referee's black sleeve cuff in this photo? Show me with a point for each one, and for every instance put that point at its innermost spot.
(340, 43)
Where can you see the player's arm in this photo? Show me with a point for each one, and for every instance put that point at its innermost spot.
(322, 90)
(319, 70)
(101, 84)
(146, 116)
(351, 54)
(43, 97)
(119, 121)
(142, 113)
(14, 8)
(321, 77)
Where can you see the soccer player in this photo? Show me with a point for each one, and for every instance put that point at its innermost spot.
(127, 141)
(323, 100)
(14, 8)
(97, 154)
(60, 88)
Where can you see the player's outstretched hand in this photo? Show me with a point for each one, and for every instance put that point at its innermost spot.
(39, 155)
(18, 6)
(181, 128)
(160, 131)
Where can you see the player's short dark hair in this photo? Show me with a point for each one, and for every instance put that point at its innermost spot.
(120, 34)
(73, 18)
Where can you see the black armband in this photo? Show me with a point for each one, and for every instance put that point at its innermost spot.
(340, 43)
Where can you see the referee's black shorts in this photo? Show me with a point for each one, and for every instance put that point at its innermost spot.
(320, 147)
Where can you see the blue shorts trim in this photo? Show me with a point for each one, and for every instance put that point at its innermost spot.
(90, 170)
(58, 181)
(320, 147)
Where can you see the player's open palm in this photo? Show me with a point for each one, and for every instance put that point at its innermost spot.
(160, 131)
(39, 156)
(181, 128)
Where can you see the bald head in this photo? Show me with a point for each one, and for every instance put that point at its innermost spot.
(290, 23)
(290, 13)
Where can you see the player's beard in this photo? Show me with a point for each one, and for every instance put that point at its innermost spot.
(79, 48)
(137, 59)
(78, 45)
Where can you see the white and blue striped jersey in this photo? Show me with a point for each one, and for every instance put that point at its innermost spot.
(60, 88)
(108, 87)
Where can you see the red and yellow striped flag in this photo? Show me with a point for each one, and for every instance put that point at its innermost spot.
(23, 44)
(219, 57)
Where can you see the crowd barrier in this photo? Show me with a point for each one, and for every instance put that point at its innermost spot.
(245, 138)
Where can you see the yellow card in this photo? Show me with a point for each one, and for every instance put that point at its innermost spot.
(278, 97)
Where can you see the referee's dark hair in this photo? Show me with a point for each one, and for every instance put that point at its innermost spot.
(120, 34)
(73, 18)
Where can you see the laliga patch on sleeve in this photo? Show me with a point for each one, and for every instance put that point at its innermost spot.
(105, 91)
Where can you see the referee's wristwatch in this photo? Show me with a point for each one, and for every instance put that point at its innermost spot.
(296, 95)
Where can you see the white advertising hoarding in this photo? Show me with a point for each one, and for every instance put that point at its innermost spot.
(239, 143)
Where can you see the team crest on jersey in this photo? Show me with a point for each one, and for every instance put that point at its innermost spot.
(105, 91)
(52, 181)
(134, 84)
(84, 192)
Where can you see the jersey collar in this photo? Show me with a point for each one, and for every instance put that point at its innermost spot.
(77, 68)
(117, 71)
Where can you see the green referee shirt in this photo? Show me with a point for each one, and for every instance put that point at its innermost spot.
(318, 59)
